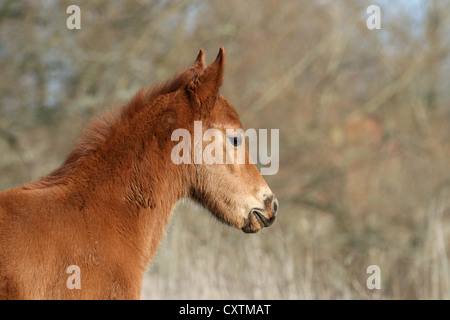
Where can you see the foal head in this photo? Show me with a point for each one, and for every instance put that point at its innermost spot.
(234, 191)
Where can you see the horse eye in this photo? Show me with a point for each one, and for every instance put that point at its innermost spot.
(235, 140)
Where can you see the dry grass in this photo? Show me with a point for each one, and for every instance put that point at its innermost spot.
(300, 257)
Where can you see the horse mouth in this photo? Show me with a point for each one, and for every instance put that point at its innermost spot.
(262, 219)
(257, 221)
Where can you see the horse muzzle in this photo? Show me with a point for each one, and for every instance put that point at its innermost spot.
(261, 218)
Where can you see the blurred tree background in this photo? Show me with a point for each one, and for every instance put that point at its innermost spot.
(364, 120)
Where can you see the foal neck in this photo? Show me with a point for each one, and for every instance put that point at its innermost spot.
(123, 182)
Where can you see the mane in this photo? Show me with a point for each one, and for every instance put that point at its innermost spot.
(101, 128)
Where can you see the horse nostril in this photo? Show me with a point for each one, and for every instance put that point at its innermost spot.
(275, 206)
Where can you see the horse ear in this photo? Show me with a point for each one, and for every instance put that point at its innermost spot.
(204, 88)
(199, 63)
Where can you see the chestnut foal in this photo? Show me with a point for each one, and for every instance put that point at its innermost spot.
(106, 208)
